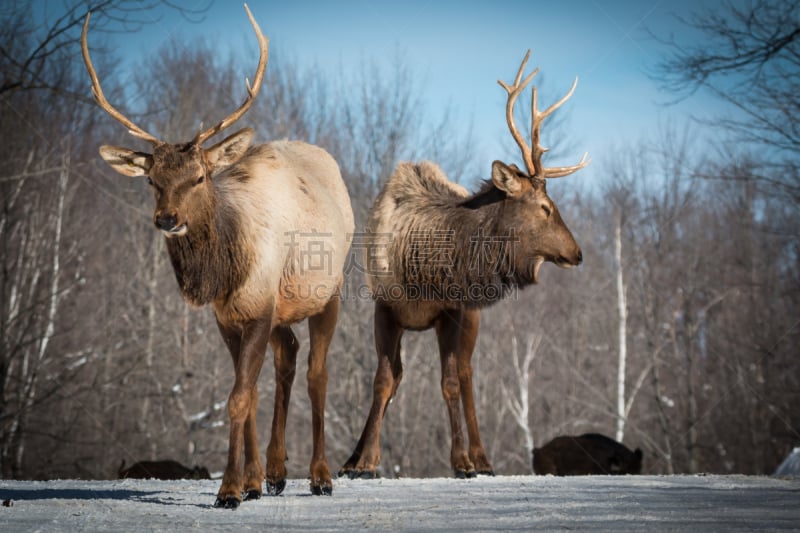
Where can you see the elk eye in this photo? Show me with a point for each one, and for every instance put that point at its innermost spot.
(546, 209)
(199, 180)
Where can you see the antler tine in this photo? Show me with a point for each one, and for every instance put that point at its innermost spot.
(97, 91)
(252, 91)
(513, 92)
(533, 154)
(559, 172)
(538, 118)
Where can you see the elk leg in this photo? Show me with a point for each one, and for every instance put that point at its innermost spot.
(367, 454)
(321, 328)
(253, 469)
(252, 346)
(470, 321)
(284, 345)
(448, 333)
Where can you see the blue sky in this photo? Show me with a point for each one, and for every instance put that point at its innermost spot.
(459, 49)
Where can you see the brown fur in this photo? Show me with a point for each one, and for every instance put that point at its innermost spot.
(166, 469)
(212, 261)
(425, 206)
(496, 239)
(589, 454)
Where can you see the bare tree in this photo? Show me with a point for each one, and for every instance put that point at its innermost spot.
(749, 56)
(518, 399)
(31, 46)
(34, 287)
(622, 313)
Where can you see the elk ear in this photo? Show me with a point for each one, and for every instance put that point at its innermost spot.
(127, 162)
(506, 179)
(229, 150)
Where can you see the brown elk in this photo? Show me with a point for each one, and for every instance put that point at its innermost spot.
(236, 219)
(439, 254)
(165, 469)
(588, 454)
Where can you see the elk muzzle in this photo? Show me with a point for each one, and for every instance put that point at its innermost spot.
(570, 260)
(168, 224)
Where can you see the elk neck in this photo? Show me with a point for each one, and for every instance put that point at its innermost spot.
(493, 242)
(210, 261)
(482, 264)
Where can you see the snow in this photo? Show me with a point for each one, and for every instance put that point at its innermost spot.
(503, 503)
(791, 465)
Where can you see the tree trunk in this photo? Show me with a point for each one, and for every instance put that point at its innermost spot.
(622, 311)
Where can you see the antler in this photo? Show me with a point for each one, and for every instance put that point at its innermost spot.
(533, 156)
(251, 91)
(100, 98)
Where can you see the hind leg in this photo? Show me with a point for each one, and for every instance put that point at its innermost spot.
(321, 328)
(367, 455)
(285, 346)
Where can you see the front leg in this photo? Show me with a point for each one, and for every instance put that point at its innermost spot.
(241, 406)
(470, 321)
(253, 468)
(449, 333)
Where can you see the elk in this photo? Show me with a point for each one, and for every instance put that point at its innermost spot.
(588, 454)
(165, 469)
(438, 254)
(241, 223)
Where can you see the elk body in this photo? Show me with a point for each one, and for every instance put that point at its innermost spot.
(586, 455)
(438, 254)
(240, 222)
(165, 469)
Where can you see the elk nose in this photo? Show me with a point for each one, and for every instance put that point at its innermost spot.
(580, 257)
(166, 222)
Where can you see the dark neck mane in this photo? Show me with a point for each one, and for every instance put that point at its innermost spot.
(465, 252)
(209, 261)
(488, 194)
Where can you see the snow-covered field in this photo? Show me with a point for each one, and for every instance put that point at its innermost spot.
(503, 503)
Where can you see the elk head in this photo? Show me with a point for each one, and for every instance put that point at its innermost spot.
(542, 234)
(179, 173)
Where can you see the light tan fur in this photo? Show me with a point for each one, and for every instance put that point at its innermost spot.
(286, 225)
(260, 233)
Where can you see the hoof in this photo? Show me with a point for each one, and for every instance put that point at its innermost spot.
(274, 489)
(486, 473)
(463, 474)
(322, 490)
(230, 502)
(252, 494)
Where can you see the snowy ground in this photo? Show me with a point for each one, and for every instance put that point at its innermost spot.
(503, 503)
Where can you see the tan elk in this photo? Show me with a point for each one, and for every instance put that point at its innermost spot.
(438, 254)
(259, 233)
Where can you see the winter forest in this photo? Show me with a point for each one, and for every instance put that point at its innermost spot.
(691, 268)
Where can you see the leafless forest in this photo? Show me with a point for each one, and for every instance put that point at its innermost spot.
(691, 269)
